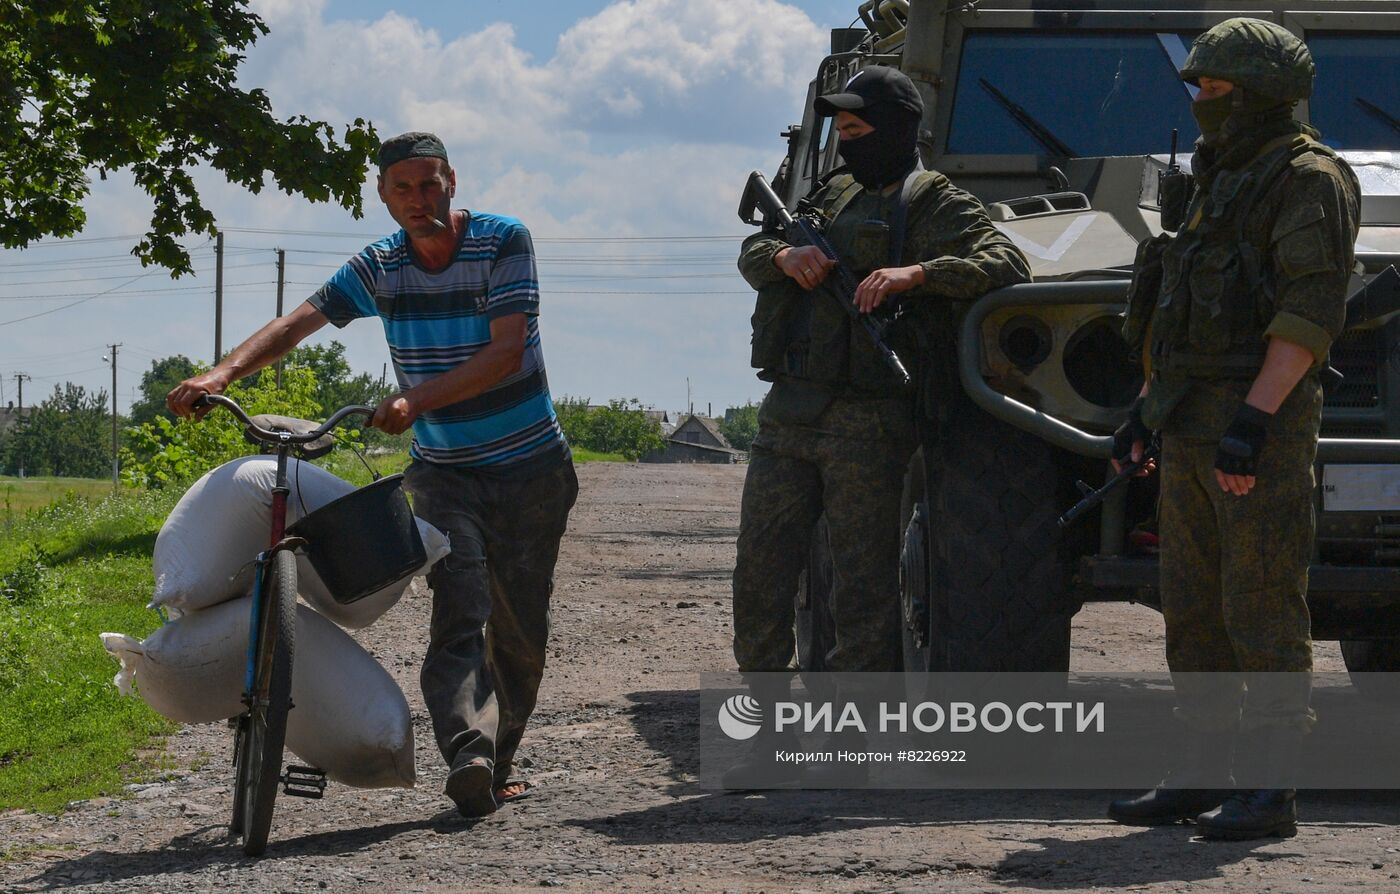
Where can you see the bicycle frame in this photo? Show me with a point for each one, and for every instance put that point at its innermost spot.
(262, 697)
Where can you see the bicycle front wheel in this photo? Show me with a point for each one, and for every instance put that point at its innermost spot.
(263, 728)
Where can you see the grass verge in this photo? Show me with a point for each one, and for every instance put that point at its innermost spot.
(582, 455)
(19, 495)
(68, 572)
(346, 465)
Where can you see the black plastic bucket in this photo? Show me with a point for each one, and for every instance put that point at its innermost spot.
(363, 541)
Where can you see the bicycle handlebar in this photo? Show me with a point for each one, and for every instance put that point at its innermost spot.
(277, 437)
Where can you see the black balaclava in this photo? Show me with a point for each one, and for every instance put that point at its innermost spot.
(887, 153)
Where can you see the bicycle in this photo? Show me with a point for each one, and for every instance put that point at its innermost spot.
(260, 731)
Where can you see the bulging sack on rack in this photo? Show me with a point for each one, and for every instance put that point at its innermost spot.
(205, 550)
(349, 718)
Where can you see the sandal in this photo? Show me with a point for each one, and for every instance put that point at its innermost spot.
(527, 789)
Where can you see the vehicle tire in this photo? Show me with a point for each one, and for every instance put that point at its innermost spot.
(1374, 668)
(914, 571)
(816, 631)
(1000, 574)
(263, 728)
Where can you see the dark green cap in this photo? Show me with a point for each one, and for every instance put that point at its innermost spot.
(414, 144)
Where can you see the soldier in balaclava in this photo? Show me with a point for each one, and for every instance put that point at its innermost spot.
(836, 430)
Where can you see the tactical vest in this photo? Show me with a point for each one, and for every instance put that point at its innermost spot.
(1217, 292)
(810, 336)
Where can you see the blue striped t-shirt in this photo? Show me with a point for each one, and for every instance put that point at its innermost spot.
(436, 321)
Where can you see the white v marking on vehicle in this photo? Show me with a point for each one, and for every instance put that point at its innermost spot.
(1055, 250)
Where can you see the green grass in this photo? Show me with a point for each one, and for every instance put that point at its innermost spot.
(583, 455)
(75, 561)
(345, 464)
(18, 495)
(69, 571)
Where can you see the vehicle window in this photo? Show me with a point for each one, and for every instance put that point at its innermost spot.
(1094, 93)
(1356, 98)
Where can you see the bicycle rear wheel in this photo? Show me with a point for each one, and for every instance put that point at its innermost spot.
(262, 729)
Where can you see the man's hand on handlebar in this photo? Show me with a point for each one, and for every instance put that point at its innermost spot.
(181, 398)
(394, 415)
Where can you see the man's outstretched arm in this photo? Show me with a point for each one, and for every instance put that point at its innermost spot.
(263, 348)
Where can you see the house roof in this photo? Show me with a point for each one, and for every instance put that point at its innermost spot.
(710, 426)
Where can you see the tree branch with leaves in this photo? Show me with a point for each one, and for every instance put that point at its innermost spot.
(149, 86)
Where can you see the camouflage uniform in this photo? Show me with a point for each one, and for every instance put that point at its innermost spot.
(836, 430)
(1266, 252)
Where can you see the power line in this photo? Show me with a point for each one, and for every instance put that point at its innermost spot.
(138, 292)
(36, 358)
(83, 300)
(82, 240)
(332, 234)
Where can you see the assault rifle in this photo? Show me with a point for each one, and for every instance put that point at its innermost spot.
(802, 229)
(1094, 496)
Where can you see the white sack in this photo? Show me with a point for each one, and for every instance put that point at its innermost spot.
(204, 551)
(349, 717)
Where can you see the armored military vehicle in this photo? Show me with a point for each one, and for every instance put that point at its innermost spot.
(1059, 115)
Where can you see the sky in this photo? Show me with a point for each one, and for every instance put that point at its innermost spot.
(619, 132)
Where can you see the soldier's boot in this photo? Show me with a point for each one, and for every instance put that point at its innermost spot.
(1262, 812)
(759, 768)
(1200, 782)
(1252, 813)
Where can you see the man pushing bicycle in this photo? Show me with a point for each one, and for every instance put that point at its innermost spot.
(458, 296)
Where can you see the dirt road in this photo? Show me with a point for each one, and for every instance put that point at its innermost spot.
(641, 607)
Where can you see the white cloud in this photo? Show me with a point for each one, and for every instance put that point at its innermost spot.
(644, 122)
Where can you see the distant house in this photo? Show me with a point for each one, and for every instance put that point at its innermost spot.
(664, 419)
(8, 417)
(696, 439)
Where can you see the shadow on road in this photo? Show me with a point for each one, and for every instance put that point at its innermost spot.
(1096, 852)
(210, 846)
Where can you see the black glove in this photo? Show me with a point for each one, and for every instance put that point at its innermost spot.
(1129, 433)
(1238, 453)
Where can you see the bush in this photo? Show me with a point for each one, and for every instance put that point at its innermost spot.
(740, 426)
(621, 427)
(175, 454)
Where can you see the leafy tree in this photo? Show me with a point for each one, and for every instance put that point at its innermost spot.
(335, 386)
(740, 425)
(620, 427)
(149, 86)
(69, 434)
(164, 453)
(156, 383)
(572, 413)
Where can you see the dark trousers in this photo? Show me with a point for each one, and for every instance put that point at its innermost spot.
(850, 463)
(490, 623)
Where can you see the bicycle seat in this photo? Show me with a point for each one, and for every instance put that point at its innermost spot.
(310, 450)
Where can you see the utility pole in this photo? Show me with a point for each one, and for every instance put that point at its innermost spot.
(281, 280)
(19, 416)
(113, 357)
(218, 296)
(20, 379)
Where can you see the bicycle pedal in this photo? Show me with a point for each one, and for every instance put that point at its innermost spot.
(304, 782)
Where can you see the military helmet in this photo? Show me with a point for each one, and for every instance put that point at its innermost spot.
(1254, 54)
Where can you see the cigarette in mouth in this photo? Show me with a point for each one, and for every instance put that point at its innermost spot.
(437, 223)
